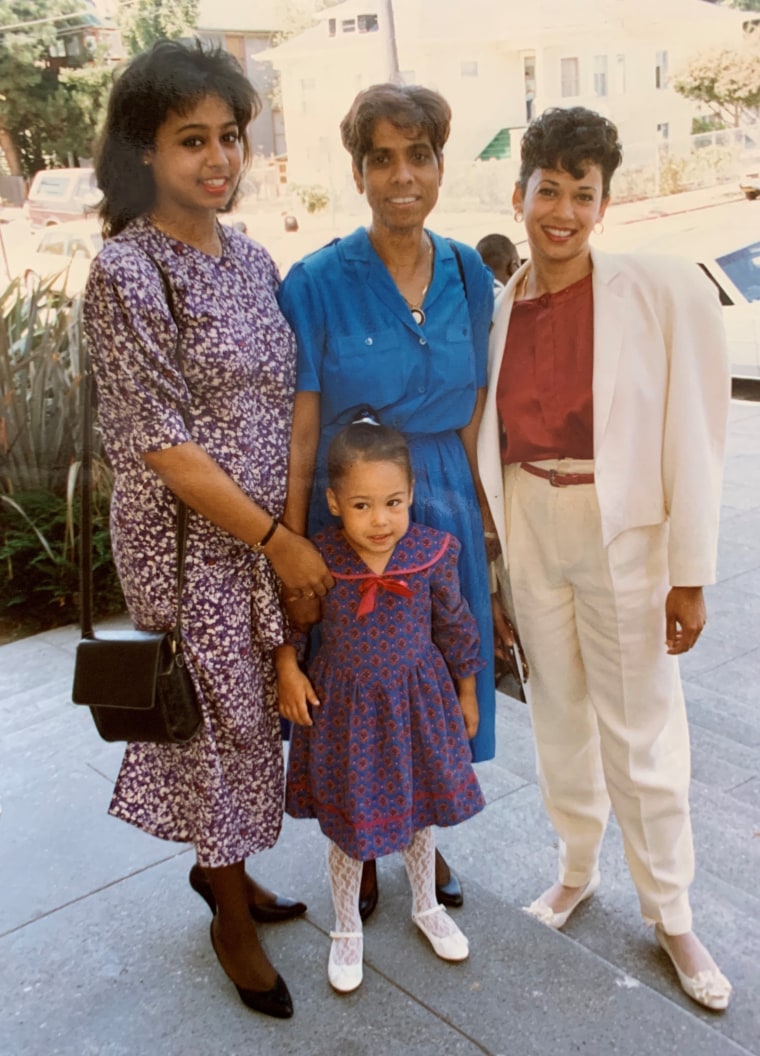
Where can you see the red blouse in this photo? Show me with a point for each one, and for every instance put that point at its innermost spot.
(544, 393)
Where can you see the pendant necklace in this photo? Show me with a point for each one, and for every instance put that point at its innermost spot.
(416, 309)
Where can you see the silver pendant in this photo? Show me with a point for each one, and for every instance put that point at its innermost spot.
(418, 315)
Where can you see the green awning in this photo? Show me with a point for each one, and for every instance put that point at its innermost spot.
(500, 146)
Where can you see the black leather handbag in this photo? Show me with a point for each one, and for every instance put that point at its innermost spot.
(135, 683)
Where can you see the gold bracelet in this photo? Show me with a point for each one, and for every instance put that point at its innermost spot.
(263, 542)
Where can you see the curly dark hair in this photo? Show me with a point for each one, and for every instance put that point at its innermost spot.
(366, 440)
(570, 139)
(169, 76)
(407, 106)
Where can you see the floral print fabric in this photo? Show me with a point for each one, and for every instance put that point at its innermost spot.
(223, 791)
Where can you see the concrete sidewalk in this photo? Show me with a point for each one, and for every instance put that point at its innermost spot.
(104, 948)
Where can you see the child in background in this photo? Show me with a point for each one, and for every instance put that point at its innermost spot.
(379, 752)
(500, 254)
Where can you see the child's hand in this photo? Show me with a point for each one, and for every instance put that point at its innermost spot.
(294, 691)
(468, 702)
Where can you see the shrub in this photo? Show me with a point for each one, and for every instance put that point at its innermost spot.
(314, 198)
(41, 356)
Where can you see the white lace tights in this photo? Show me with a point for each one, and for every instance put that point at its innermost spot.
(345, 880)
(419, 861)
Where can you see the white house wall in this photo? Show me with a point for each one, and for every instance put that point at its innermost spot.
(321, 74)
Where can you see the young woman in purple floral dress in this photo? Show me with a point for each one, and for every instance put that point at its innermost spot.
(215, 434)
(379, 753)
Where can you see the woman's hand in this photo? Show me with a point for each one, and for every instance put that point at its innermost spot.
(468, 702)
(299, 565)
(685, 616)
(506, 641)
(295, 692)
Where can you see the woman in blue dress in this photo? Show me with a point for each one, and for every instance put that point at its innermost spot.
(399, 317)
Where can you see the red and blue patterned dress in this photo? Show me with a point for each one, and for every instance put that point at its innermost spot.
(388, 754)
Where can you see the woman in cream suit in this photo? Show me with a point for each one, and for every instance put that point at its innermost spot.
(601, 452)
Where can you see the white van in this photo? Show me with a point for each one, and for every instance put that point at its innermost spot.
(61, 194)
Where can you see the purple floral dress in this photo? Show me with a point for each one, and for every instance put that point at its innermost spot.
(224, 790)
(388, 753)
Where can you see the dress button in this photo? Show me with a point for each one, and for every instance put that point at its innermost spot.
(423, 341)
(368, 341)
(420, 388)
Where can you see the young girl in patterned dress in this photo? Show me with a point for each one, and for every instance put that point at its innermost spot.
(379, 753)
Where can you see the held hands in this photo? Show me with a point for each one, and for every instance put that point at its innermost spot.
(303, 611)
(685, 616)
(294, 691)
(298, 564)
(468, 702)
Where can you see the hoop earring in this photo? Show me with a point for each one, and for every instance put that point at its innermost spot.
(599, 227)
(518, 215)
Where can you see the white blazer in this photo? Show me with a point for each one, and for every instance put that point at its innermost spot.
(661, 394)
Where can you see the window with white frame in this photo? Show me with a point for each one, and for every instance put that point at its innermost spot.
(367, 23)
(600, 75)
(661, 70)
(570, 77)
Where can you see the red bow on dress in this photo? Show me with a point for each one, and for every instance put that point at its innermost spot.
(370, 586)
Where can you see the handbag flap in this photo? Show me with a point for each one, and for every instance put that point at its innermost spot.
(118, 668)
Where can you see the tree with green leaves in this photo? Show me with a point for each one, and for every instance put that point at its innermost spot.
(725, 80)
(143, 22)
(47, 116)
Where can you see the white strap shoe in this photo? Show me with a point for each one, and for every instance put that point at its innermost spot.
(345, 977)
(452, 945)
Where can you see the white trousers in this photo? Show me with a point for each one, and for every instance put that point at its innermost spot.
(606, 701)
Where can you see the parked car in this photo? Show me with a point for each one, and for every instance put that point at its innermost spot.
(57, 195)
(62, 256)
(732, 262)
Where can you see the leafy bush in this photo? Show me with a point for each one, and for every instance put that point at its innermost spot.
(41, 355)
(313, 197)
(39, 581)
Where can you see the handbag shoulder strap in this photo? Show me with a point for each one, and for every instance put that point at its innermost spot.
(85, 536)
(460, 265)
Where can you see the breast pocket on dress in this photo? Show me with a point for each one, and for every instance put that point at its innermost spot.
(453, 365)
(367, 368)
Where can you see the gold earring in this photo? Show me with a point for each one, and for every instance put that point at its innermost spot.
(599, 227)
(518, 215)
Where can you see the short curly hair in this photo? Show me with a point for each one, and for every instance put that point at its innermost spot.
(407, 106)
(569, 139)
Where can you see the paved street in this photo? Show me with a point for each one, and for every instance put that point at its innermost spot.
(104, 948)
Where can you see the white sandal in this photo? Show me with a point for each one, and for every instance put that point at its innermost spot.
(708, 987)
(544, 912)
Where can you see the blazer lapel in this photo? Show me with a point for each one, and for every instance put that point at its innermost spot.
(609, 330)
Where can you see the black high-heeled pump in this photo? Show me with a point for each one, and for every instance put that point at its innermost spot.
(279, 909)
(448, 894)
(275, 1002)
